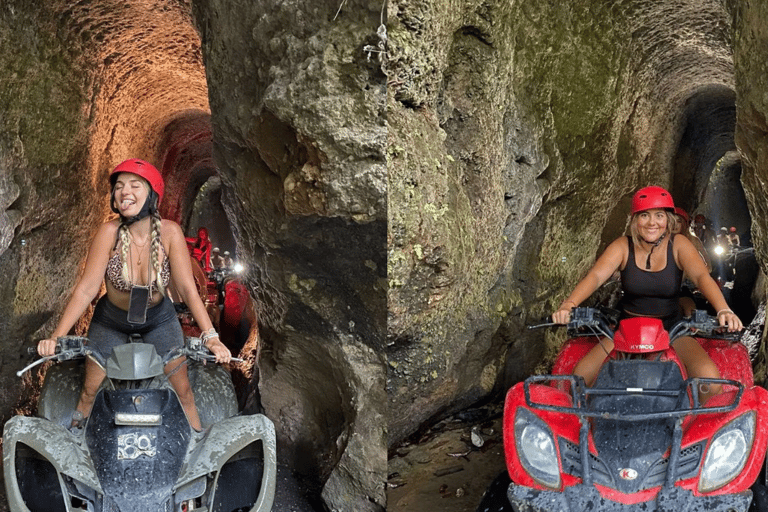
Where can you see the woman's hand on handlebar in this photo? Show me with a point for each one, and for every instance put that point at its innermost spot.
(218, 349)
(727, 318)
(562, 315)
(46, 347)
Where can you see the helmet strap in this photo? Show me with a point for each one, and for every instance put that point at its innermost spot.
(655, 245)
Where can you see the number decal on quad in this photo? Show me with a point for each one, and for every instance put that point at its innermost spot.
(131, 446)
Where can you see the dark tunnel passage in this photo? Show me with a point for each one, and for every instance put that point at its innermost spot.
(706, 168)
(193, 181)
(707, 181)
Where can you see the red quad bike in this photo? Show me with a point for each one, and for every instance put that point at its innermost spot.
(639, 439)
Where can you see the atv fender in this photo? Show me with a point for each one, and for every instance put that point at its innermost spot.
(61, 391)
(226, 439)
(53, 442)
(214, 393)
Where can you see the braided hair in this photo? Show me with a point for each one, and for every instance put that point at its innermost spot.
(155, 250)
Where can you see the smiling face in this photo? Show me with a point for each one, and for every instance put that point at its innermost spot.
(651, 224)
(130, 193)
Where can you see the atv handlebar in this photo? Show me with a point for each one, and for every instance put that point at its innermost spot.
(72, 347)
(590, 321)
(593, 321)
(67, 347)
(702, 325)
(194, 349)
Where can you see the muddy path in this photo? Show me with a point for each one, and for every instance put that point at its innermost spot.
(448, 467)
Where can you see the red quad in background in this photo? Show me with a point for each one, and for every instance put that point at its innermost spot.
(237, 314)
(638, 439)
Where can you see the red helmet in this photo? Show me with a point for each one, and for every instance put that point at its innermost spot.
(733, 229)
(143, 169)
(682, 213)
(652, 197)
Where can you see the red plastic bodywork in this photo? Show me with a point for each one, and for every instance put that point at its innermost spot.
(732, 359)
(638, 335)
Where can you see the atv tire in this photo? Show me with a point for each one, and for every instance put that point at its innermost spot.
(495, 497)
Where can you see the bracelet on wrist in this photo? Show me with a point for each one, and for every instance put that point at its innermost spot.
(726, 310)
(209, 334)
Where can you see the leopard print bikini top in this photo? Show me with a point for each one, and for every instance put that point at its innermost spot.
(115, 274)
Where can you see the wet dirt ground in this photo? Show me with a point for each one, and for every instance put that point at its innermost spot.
(448, 467)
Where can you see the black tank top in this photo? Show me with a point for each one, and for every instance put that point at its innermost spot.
(648, 293)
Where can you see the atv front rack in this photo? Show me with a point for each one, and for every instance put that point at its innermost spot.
(585, 410)
(582, 408)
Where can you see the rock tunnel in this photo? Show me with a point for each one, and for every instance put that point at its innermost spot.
(515, 151)
(266, 121)
(401, 215)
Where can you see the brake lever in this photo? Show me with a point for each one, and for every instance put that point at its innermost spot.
(35, 363)
(542, 326)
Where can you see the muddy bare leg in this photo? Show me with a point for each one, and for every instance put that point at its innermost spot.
(180, 382)
(94, 375)
(698, 364)
(589, 365)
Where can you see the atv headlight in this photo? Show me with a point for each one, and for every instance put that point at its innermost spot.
(536, 448)
(728, 453)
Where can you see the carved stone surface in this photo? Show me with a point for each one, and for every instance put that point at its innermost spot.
(401, 219)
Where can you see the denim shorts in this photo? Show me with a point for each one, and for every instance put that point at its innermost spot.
(110, 328)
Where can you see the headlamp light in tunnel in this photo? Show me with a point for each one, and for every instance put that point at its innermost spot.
(719, 250)
(536, 448)
(728, 453)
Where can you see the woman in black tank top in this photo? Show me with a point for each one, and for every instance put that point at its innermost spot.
(652, 261)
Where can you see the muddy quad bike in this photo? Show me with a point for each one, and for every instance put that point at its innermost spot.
(639, 439)
(137, 452)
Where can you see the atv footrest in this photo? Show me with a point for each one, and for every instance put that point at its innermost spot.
(580, 497)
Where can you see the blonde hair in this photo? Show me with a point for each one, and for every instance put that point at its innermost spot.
(154, 248)
(673, 226)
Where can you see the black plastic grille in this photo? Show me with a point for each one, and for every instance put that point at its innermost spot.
(687, 466)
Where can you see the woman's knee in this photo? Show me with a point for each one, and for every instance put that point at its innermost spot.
(182, 387)
(590, 364)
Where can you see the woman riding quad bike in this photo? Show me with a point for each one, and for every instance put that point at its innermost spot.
(640, 438)
(137, 451)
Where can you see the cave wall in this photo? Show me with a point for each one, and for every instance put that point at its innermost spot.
(514, 133)
(517, 133)
(48, 199)
(296, 130)
(750, 50)
(299, 136)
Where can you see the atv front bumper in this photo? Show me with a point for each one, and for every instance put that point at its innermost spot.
(580, 497)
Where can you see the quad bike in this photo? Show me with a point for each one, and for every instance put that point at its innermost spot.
(137, 451)
(639, 438)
